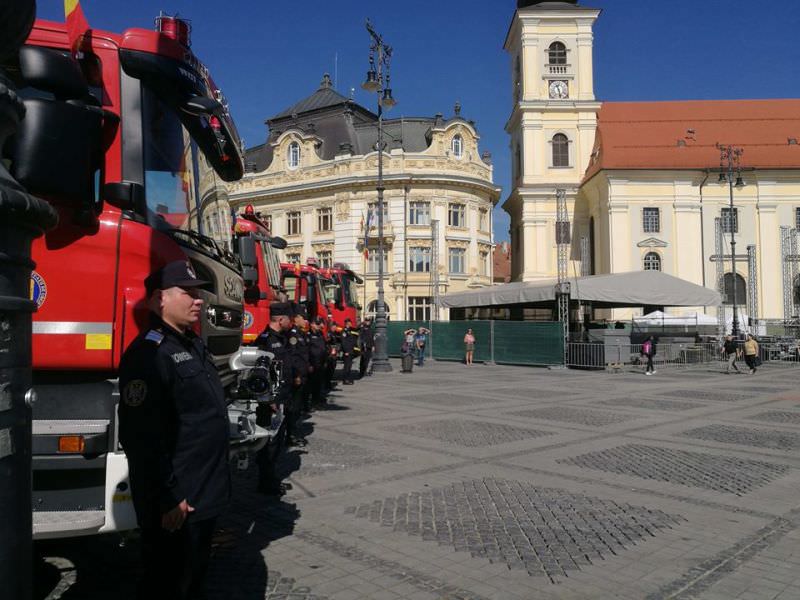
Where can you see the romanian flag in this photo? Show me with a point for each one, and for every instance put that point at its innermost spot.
(77, 26)
(366, 232)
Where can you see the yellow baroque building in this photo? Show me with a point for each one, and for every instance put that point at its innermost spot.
(314, 182)
(642, 179)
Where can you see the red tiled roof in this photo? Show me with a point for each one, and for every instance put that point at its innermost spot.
(656, 135)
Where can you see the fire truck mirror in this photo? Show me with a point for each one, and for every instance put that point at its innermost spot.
(246, 249)
(126, 195)
(202, 105)
(277, 242)
(52, 71)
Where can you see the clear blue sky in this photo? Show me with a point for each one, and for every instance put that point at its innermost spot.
(266, 55)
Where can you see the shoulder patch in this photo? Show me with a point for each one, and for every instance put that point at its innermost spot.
(154, 336)
(293, 340)
(134, 393)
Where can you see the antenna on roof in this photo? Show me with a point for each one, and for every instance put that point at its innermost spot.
(352, 93)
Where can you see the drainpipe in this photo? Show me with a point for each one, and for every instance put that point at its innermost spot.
(406, 190)
(703, 236)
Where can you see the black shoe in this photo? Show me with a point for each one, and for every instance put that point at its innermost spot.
(272, 489)
(296, 441)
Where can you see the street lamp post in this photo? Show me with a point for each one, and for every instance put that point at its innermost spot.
(378, 81)
(729, 164)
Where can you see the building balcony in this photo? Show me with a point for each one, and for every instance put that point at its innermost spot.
(558, 69)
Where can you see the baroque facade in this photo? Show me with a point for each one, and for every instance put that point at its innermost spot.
(314, 183)
(642, 179)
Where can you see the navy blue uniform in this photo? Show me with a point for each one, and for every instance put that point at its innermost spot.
(173, 426)
(318, 357)
(299, 359)
(349, 340)
(366, 341)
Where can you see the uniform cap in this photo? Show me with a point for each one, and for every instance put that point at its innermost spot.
(319, 321)
(281, 309)
(178, 273)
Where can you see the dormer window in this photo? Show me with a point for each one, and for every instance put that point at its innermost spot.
(457, 146)
(293, 158)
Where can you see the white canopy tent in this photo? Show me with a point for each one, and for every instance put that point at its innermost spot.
(637, 288)
(660, 318)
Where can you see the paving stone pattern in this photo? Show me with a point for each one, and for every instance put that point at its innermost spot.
(652, 404)
(760, 438)
(720, 473)
(449, 399)
(701, 394)
(778, 416)
(544, 531)
(579, 416)
(323, 456)
(765, 388)
(471, 434)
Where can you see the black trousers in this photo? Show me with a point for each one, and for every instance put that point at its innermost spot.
(315, 381)
(348, 367)
(176, 564)
(366, 356)
(650, 366)
(267, 457)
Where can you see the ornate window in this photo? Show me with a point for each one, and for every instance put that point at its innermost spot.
(294, 223)
(557, 54)
(373, 262)
(456, 215)
(325, 259)
(652, 261)
(651, 220)
(560, 150)
(372, 207)
(730, 220)
(457, 258)
(419, 213)
(293, 158)
(457, 146)
(372, 309)
(483, 219)
(484, 264)
(419, 308)
(325, 219)
(419, 259)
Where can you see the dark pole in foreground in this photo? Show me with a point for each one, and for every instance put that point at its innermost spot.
(22, 218)
(378, 82)
(731, 155)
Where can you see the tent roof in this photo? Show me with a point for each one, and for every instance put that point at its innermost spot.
(637, 288)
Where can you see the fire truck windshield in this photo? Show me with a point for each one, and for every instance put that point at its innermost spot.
(351, 291)
(177, 176)
(330, 290)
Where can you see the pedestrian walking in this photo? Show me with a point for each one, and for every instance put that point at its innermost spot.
(173, 427)
(420, 340)
(730, 349)
(649, 352)
(751, 353)
(366, 341)
(469, 347)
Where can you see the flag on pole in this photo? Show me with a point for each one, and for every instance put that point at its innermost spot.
(77, 25)
(366, 231)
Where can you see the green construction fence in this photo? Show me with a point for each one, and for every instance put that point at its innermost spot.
(502, 342)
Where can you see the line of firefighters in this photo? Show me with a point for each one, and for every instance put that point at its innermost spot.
(308, 352)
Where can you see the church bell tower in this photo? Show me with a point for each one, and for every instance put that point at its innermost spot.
(552, 124)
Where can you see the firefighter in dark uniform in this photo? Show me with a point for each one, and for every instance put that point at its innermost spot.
(334, 350)
(298, 353)
(318, 356)
(349, 344)
(173, 427)
(273, 339)
(366, 341)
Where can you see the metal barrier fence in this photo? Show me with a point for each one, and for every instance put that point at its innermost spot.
(676, 355)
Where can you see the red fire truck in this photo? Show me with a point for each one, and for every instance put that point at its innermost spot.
(323, 292)
(130, 139)
(261, 270)
(344, 302)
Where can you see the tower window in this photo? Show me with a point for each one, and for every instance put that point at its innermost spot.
(293, 157)
(651, 220)
(730, 220)
(557, 54)
(560, 150)
(458, 146)
(652, 262)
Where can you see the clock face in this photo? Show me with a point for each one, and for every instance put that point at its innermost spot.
(559, 90)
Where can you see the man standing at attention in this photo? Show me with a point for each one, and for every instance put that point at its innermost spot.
(173, 426)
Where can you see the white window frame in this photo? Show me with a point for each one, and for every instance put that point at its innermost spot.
(725, 218)
(373, 208)
(293, 155)
(553, 151)
(419, 259)
(419, 213)
(325, 219)
(460, 210)
(484, 263)
(457, 257)
(419, 308)
(457, 146)
(325, 259)
(649, 225)
(372, 261)
(294, 223)
(650, 260)
(293, 257)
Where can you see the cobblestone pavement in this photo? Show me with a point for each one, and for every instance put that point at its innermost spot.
(497, 482)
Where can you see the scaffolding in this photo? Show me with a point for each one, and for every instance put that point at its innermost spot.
(752, 286)
(563, 241)
(435, 295)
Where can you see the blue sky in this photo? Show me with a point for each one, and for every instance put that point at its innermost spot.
(266, 54)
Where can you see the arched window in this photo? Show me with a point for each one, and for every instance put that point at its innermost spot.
(372, 309)
(741, 290)
(560, 150)
(458, 146)
(293, 157)
(557, 54)
(652, 261)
